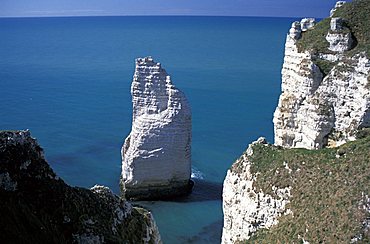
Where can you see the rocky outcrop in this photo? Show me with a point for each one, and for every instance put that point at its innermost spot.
(156, 156)
(325, 95)
(307, 24)
(339, 37)
(300, 78)
(279, 194)
(38, 207)
(337, 5)
(246, 209)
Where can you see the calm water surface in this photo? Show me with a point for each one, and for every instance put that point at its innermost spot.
(68, 81)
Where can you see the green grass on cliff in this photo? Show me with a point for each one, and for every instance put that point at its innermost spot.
(328, 188)
(357, 20)
(314, 39)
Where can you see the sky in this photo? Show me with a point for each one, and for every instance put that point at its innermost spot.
(276, 8)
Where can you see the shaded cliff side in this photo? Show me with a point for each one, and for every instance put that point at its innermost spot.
(37, 206)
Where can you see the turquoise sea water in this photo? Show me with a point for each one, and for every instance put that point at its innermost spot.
(68, 81)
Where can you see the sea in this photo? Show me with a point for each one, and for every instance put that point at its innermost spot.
(67, 80)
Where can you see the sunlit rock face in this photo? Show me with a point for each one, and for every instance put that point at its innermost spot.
(156, 155)
(317, 109)
(300, 78)
(247, 209)
(339, 38)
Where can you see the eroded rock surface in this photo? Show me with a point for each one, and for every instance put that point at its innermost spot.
(325, 101)
(156, 156)
(326, 104)
(246, 209)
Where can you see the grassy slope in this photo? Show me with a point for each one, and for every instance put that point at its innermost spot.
(357, 20)
(326, 191)
(357, 16)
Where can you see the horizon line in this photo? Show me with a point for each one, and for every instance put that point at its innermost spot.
(155, 15)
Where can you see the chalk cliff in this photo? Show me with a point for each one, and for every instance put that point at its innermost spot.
(156, 155)
(283, 193)
(273, 194)
(325, 95)
(38, 207)
(247, 209)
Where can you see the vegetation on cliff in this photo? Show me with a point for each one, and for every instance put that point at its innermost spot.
(330, 191)
(36, 206)
(356, 20)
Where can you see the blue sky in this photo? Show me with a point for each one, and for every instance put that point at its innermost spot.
(281, 8)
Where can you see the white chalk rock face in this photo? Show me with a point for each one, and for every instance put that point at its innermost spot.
(337, 5)
(295, 31)
(307, 24)
(339, 42)
(315, 111)
(300, 78)
(339, 38)
(247, 210)
(156, 156)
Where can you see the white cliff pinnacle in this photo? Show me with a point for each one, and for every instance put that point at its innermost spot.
(156, 155)
(295, 31)
(336, 24)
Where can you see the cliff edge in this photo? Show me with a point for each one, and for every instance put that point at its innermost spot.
(325, 95)
(36, 206)
(278, 195)
(287, 192)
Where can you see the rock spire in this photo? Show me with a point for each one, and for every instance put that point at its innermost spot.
(156, 155)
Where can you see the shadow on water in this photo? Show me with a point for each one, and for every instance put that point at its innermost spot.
(209, 234)
(202, 191)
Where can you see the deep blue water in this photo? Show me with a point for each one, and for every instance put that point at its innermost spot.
(68, 81)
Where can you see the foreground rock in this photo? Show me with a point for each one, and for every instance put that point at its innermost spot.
(38, 207)
(277, 195)
(246, 209)
(325, 95)
(156, 156)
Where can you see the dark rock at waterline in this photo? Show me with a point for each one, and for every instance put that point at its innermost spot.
(36, 206)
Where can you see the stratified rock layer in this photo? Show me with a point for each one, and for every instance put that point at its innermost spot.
(38, 207)
(317, 109)
(156, 156)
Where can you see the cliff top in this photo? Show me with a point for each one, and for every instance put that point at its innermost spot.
(330, 189)
(356, 20)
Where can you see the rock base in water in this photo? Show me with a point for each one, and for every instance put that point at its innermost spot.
(156, 192)
(156, 156)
